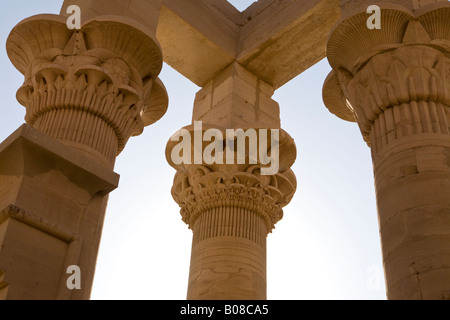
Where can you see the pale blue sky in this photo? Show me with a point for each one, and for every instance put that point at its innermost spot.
(241, 5)
(323, 248)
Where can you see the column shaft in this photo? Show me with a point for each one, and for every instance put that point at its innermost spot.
(394, 82)
(237, 236)
(412, 177)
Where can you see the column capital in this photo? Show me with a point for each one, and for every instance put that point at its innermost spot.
(198, 188)
(233, 179)
(352, 44)
(374, 70)
(91, 88)
(236, 123)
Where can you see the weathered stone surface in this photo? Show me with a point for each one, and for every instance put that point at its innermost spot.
(395, 83)
(52, 204)
(200, 38)
(87, 91)
(83, 87)
(232, 207)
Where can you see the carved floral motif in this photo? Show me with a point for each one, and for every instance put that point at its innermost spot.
(93, 88)
(199, 188)
(394, 81)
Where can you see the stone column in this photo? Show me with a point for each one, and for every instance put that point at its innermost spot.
(86, 92)
(229, 204)
(394, 82)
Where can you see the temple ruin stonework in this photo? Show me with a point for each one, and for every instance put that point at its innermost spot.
(87, 90)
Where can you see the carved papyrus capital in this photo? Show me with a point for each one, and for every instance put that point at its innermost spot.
(394, 81)
(199, 188)
(92, 88)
